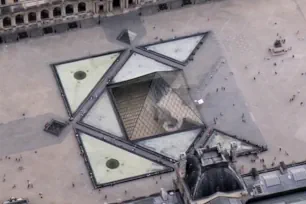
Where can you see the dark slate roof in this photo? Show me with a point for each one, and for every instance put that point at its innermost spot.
(283, 198)
(206, 180)
(220, 179)
(274, 181)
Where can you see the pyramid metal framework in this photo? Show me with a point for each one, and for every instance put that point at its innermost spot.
(154, 104)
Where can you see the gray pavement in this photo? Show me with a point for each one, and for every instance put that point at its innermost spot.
(27, 134)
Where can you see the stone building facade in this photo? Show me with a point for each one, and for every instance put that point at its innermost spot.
(21, 19)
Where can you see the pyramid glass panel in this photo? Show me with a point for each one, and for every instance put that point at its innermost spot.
(127, 36)
(102, 116)
(225, 141)
(171, 145)
(78, 78)
(132, 35)
(110, 163)
(138, 65)
(149, 105)
(179, 49)
(179, 86)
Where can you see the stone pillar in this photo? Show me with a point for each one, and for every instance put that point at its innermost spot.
(127, 4)
(110, 3)
(105, 6)
(63, 10)
(50, 13)
(88, 5)
(13, 20)
(1, 23)
(38, 17)
(233, 152)
(122, 4)
(96, 8)
(75, 8)
(26, 18)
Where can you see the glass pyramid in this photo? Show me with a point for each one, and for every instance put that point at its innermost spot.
(127, 36)
(154, 104)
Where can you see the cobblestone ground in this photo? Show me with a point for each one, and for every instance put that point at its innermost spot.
(244, 28)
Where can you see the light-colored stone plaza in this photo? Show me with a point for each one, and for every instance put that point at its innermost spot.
(242, 29)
